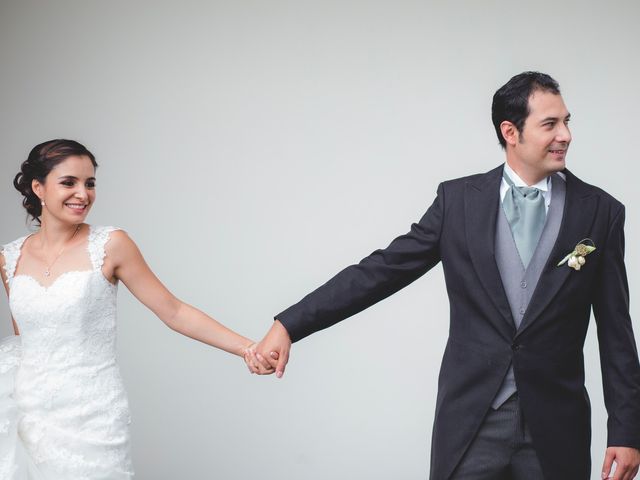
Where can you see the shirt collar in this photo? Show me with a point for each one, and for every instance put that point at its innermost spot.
(518, 182)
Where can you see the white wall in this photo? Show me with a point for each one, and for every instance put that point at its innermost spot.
(253, 149)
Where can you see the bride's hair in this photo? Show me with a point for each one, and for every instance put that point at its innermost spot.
(42, 159)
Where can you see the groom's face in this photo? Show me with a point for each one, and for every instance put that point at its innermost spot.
(543, 143)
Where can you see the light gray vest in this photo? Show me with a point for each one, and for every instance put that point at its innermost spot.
(519, 284)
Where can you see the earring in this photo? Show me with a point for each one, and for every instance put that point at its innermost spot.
(42, 202)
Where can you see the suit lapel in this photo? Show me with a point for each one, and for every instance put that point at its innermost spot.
(482, 201)
(577, 219)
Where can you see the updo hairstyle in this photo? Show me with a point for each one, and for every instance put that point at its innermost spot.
(42, 159)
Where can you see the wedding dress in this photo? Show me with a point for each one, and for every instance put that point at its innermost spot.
(63, 408)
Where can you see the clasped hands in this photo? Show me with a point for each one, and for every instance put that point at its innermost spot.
(271, 354)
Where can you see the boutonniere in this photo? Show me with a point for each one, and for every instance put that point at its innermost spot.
(576, 258)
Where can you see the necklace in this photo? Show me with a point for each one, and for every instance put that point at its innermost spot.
(47, 271)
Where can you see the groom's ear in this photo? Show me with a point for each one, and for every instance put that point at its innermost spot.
(509, 133)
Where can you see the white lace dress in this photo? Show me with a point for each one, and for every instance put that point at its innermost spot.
(63, 408)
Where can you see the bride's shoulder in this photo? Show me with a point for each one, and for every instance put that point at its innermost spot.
(97, 231)
(12, 248)
(17, 243)
(9, 254)
(116, 241)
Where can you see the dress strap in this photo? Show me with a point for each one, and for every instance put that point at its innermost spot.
(11, 254)
(98, 238)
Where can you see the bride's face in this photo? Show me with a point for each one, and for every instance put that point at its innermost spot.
(69, 190)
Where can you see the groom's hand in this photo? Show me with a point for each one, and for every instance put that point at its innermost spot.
(274, 348)
(627, 462)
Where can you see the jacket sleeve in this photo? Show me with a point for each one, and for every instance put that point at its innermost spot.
(377, 276)
(618, 353)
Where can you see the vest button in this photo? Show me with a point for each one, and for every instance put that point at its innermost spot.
(523, 284)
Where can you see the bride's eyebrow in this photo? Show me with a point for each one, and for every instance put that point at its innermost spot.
(73, 177)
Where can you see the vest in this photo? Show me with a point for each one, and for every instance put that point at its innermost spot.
(520, 283)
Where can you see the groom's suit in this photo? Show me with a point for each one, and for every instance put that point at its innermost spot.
(546, 351)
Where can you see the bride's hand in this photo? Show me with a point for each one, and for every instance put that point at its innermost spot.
(253, 364)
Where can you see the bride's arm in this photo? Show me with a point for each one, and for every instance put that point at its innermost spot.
(125, 262)
(6, 287)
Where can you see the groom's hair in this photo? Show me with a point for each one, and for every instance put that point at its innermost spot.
(511, 101)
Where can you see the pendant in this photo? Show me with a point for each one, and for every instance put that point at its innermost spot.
(47, 272)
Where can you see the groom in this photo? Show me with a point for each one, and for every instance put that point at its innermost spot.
(511, 399)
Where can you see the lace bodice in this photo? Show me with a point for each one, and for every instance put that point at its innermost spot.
(73, 320)
(68, 387)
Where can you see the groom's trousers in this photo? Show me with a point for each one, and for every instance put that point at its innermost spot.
(502, 448)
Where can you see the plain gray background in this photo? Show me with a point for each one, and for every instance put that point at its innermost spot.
(254, 148)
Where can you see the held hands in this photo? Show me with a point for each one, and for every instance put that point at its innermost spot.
(627, 462)
(253, 364)
(272, 353)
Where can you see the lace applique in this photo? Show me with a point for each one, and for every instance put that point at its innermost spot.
(9, 361)
(98, 238)
(10, 352)
(11, 253)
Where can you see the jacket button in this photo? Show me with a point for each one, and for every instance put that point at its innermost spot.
(515, 347)
(523, 284)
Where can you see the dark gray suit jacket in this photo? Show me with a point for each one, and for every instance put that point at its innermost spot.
(547, 351)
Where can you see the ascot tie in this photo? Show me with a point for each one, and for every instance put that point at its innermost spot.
(526, 214)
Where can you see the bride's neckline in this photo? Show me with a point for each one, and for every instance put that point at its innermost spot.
(53, 281)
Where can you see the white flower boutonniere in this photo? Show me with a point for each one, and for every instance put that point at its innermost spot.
(576, 259)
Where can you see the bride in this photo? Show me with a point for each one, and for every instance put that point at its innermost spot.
(63, 409)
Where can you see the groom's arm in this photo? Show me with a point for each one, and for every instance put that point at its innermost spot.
(359, 286)
(374, 278)
(618, 354)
